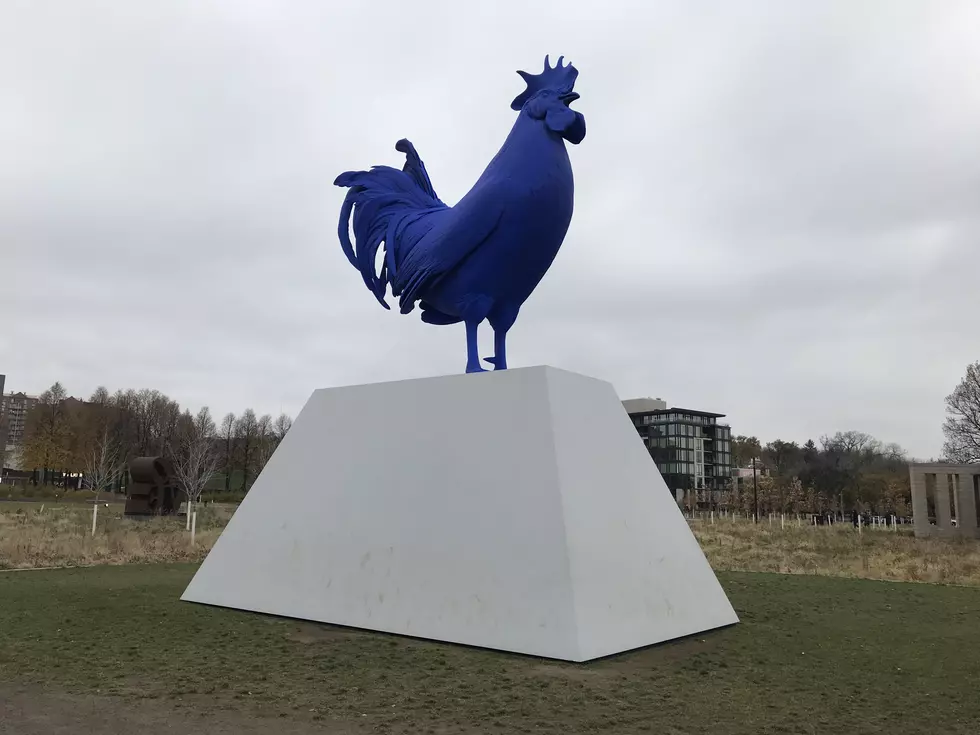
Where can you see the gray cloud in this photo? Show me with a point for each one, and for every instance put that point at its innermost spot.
(776, 203)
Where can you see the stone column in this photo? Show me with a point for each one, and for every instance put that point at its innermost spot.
(943, 518)
(954, 481)
(967, 506)
(920, 503)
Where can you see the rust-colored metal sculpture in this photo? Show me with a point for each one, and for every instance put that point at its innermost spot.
(154, 489)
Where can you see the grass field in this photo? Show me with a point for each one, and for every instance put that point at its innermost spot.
(811, 655)
(51, 534)
(61, 536)
(10, 507)
(838, 551)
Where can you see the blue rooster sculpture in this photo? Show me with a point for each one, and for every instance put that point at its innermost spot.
(481, 259)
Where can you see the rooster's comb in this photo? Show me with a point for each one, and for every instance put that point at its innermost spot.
(559, 78)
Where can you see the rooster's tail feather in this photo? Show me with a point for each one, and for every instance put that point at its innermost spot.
(386, 204)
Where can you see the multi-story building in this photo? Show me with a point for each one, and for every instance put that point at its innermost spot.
(3, 426)
(14, 408)
(693, 451)
(644, 405)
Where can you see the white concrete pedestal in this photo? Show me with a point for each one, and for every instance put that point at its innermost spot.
(516, 510)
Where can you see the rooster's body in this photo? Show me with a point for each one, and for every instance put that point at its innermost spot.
(482, 258)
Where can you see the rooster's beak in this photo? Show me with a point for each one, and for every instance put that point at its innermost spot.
(569, 97)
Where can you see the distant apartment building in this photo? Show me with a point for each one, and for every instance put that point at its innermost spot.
(692, 450)
(644, 405)
(14, 409)
(3, 426)
(754, 468)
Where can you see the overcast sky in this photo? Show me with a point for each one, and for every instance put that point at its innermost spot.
(777, 204)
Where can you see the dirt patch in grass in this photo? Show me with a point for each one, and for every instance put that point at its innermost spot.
(560, 671)
(37, 711)
(312, 633)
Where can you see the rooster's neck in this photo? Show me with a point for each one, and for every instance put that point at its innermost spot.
(529, 144)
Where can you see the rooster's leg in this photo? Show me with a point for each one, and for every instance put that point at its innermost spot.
(472, 349)
(499, 359)
(501, 321)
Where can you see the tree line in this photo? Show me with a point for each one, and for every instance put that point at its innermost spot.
(848, 471)
(97, 438)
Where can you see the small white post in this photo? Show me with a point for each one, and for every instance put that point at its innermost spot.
(188, 514)
(193, 527)
(770, 520)
(782, 522)
(860, 523)
(95, 516)
(712, 518)
(42, 508)
(894, 522)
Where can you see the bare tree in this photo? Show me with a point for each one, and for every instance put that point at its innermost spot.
(45, 438)
(204, 424)
(270, 435)
(102, 464)
(228, 442)
(155, 418)
(124, 422)
(280, 426)
(266, 442)
(196, 458)
(246, 434)
(167, 422)
(962, 426)
(100, 396)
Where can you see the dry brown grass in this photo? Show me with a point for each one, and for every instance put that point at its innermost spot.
(60, 535)
(837, 551)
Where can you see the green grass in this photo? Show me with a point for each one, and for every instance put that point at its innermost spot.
(812, 655)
